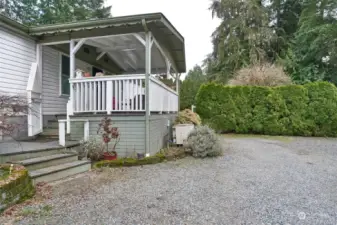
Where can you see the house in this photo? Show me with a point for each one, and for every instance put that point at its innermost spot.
(48, 63)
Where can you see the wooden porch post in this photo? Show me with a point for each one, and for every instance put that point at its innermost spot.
(177, 89)
(147, 90)
(70, 105)
(72, 52)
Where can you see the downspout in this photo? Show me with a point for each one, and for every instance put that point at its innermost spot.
(147, 87)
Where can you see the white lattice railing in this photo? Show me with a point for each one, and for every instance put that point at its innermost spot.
(121, 93)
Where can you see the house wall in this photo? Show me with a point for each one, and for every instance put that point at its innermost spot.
(16, 56)
(52, 102)
(17, 53)
(132, 130)
(160, 131)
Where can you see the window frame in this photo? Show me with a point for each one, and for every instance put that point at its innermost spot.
(60, 76)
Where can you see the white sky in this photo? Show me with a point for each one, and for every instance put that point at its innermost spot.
(190, 17)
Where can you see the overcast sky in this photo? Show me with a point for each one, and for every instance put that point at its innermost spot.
(190, 17)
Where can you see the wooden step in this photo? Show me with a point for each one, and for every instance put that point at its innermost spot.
(47, 161)
(60, 171)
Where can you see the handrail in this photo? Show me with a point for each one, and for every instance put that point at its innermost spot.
(163, 85)
(107, 78)
(121, 77)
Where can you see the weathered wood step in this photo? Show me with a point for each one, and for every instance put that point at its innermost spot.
(47, 161)
(60, 171)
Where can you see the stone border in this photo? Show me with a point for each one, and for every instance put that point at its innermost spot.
(16, 188)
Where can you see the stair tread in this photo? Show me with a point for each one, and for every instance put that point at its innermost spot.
(53, 169)
(44, 158)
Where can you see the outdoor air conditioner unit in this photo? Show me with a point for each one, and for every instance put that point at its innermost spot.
(181, 132)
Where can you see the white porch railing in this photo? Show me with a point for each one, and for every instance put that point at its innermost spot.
(121, 93)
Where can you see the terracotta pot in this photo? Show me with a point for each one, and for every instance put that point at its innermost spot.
(109, 157)
(87, 74)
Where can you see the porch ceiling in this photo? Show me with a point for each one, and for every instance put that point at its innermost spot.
(163, 31)
(128, 53)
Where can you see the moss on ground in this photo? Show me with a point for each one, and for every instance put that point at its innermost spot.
(16, 187)
(165, 154)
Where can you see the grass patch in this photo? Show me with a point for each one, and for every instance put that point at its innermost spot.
(285, 139)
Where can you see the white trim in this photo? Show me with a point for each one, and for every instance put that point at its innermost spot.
(100, 56)
(139, 38)
(164, 54)
(55, 43)
(60, 76)
(78, 46)
(106, 36)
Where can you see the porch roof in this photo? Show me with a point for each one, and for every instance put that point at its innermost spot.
(164, 32)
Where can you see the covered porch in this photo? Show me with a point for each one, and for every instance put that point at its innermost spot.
(130, 57)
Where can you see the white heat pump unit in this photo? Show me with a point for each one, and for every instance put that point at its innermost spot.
(181, 132)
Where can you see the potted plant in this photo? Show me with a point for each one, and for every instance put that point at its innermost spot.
(109, 135)
(87, 74)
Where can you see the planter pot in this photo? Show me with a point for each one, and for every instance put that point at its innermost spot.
(109, 157)
(87, 75)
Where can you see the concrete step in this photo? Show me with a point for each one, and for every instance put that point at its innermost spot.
(50, 132)
(53, 124)
(34, 153)
(60, 171)
(47, 161)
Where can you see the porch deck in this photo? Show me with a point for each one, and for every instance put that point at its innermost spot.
(121, 93)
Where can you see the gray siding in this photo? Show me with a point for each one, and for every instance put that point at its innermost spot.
(16, 56)
(131, 128)
(160, 132)
(53, 103)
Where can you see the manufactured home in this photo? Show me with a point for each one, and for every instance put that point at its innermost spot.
(74, 74)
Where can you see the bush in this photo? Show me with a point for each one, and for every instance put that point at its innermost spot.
(188, 117)
(261, 75)
(92, 149)
(204, 142)
(308, 110)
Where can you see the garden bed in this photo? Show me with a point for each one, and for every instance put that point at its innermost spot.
(15, 185)
(165, 154)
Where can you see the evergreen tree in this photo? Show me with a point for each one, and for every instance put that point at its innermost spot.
(242, 38)
(35, 12)
(313, 54)
(190, 86)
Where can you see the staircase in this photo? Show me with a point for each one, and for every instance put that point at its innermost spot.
(51, 130)
(52, 163)
(49, 164)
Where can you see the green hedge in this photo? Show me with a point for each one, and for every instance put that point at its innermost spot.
(308, 110)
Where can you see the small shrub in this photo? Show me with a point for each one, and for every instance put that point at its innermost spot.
(188, 117)
(204, 142)
(92, 149)
(261, 75)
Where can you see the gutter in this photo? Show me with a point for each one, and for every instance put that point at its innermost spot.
(15, 26)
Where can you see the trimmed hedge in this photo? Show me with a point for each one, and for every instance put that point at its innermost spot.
(308, 110)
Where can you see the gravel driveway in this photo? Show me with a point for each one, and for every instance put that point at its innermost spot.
(258, 181)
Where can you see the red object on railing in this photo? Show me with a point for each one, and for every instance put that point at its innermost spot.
(113, 102)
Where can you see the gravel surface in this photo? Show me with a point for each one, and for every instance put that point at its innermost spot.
(257, 181)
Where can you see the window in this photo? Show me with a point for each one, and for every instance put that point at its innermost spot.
(96, 70)
(65, 75)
